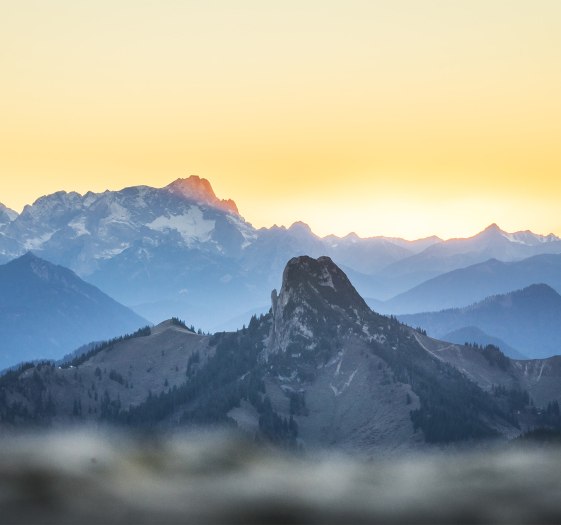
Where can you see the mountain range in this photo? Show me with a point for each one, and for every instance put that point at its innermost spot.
(474, 335)
(321, 369)
(528, 319)
(47, 311)
(180, 250)
(491, 243)
(465, 286)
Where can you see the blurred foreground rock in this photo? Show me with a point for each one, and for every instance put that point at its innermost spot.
(81, 478)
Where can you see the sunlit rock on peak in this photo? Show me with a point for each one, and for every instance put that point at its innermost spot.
(200, 190)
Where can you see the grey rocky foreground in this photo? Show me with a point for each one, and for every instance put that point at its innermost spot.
(90, 478)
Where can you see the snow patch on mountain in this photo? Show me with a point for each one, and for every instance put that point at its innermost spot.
(338, 390)
(11, 214)
(248, 232)
(7, 214)
(79, 226)
(192, 225)
(529, 238)
(113, 252)
(117, 213)
(37, 242)
(89, 198)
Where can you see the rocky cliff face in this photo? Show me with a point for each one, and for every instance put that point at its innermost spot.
(316, 299)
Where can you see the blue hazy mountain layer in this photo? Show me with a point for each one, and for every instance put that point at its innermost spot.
(47, 311)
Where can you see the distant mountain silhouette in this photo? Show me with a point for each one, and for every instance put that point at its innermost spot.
(491, 243)
(528, 320)
(468, 285)
(47, 311)
(472, 334)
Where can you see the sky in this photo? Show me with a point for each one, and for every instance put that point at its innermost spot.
(401, 117)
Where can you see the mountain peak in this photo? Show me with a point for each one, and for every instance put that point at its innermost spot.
(316, 298)
(6, 214)
(301, 227)
(200, 190)
(539, 294)
(47, 311)
(493, 228)
(321, 273)
(41, 269)
(28, 256)
(525, 237)
(538, 290)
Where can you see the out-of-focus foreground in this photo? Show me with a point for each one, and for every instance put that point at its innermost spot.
(88, 477)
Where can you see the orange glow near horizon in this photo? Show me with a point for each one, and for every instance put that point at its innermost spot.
(399, 118)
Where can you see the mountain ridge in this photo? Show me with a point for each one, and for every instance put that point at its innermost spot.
(473, 283)
(165, 251)
(47, 311)
(527, 319)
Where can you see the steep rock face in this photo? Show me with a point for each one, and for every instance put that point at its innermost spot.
(323, 372)
(316, 300)
(201, 191)
(356, 377)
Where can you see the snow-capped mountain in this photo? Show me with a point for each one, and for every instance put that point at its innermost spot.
(199, 190)
(80, 231)
(177, 250)
(6, 215)
(369, 255)
(491, 243)
(529, 238)
(157, 248)
(181, 250)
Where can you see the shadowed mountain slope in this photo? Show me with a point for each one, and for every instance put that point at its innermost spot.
(48, 311)
(465, 286)
(528, 319)
(472, 334)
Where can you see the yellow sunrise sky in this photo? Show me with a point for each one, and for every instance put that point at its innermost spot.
(392, 117)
